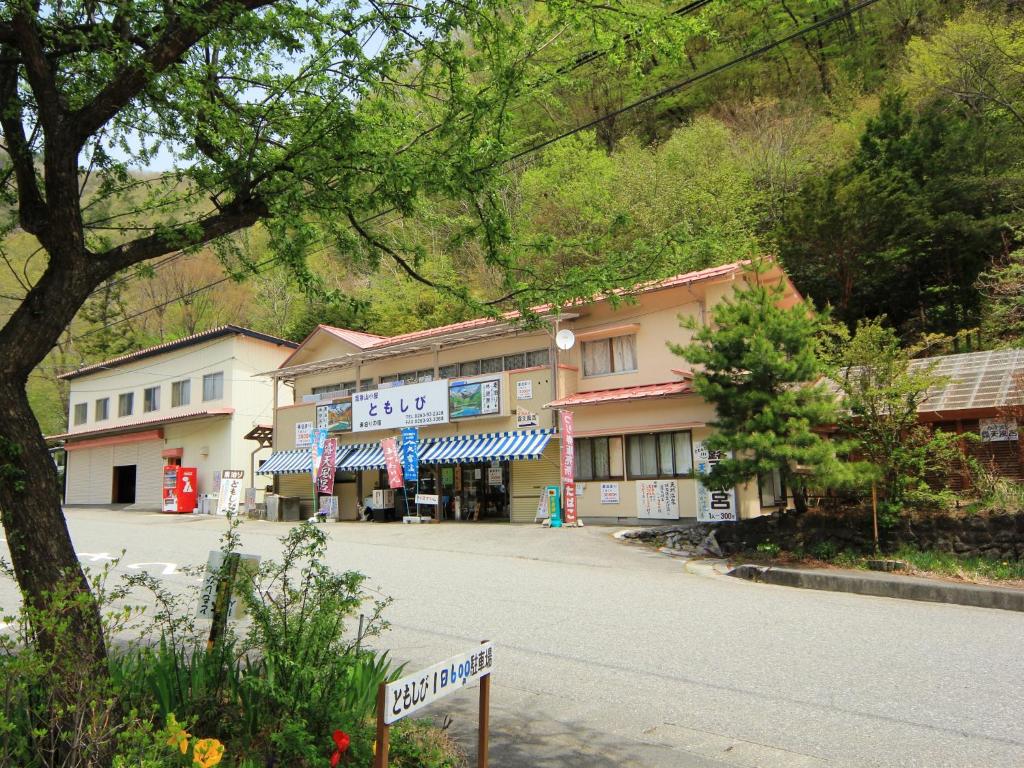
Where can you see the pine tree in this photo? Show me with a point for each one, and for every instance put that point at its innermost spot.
(764, 373)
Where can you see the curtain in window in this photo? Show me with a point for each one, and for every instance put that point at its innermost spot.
(624, 352)
(584, 460)
(615, 457)
(643, 456)
(597, 357)
(601, 458)
(683, 452)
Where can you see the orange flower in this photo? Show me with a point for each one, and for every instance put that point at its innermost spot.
(207, 753)
(178, 736)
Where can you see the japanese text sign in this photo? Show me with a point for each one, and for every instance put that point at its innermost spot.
(317, 440)
(412, 405)
(410, 453)
(391, 460)
(657, 499)
(230, 492)
(568, 464)
(303, 434)
(325, 472)
(712, 506)
(420, 689)
(216, 572)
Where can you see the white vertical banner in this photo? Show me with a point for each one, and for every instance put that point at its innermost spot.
(712, 506)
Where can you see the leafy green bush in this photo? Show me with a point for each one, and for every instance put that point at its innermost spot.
(271, 691)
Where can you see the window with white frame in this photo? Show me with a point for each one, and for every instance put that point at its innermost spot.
(81, 413)
(213, 386)
(660, 455)
(125, 403)
(598, 458)
(612, 355)
(150, 399)
(181, 393)
(102, 409)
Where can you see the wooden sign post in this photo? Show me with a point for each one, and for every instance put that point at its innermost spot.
(413, 692)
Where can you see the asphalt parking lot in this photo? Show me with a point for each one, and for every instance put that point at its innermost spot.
(609, 654)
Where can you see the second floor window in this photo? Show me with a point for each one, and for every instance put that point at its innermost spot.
(102, 409)
(81, 413)
(665, 454)
(125, 404)
(150, 399)
(598, 458)
(614, 355)
(323, 389)
(213, 386)
(181, 393)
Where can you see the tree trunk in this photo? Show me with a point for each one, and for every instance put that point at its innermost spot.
(64, 617)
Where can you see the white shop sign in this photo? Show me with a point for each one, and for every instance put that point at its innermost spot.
(712, 506)
(524, 389)
(230, 495)
(303, 434)
(412, 405)
(657, 499)
(420, 689)
(526, 418)
(428, 499)
(997, 430)
(609, 493)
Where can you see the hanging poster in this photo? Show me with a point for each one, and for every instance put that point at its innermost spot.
(410, 454)
(303, 434)
(335, 417)
(412, 405)
(393, 462)
(474, 398)
(997, 430)
(609, 493)
(524, 389)
(712, 506)
(657, 499)
(494, 476)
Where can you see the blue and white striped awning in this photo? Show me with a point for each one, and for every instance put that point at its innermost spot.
(362, 456)
(499, 446)
(287, 463)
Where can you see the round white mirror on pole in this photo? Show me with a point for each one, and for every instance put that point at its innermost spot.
(564, 339)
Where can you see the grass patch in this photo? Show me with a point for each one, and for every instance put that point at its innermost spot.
(967, 568)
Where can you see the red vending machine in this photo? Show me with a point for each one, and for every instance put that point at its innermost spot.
(179, 489)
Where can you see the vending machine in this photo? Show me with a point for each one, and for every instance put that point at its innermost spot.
(179, 489)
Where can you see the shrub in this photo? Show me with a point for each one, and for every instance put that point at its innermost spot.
(270, 692)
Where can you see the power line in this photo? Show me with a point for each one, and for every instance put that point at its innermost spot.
(668, 90)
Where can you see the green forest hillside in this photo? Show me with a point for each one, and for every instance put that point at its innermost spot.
(879, 157)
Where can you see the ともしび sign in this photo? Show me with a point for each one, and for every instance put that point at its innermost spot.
(420, 689)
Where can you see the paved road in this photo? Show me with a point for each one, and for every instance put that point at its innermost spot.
(610, 655)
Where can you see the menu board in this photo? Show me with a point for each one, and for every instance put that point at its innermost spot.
(657, 499)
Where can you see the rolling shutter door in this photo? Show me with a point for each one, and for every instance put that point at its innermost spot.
(89, 476)
(300, 485)
(529, 478)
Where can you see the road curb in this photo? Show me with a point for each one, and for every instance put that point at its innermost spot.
(885, 585)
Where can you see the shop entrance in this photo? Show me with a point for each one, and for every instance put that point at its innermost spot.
(481, 489)
(123, 491)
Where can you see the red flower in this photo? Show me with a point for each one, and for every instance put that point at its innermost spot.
(341, 741)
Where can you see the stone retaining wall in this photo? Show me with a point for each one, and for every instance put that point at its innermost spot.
(991, 534)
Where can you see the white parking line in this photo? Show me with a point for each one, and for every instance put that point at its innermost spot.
(168, 570)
